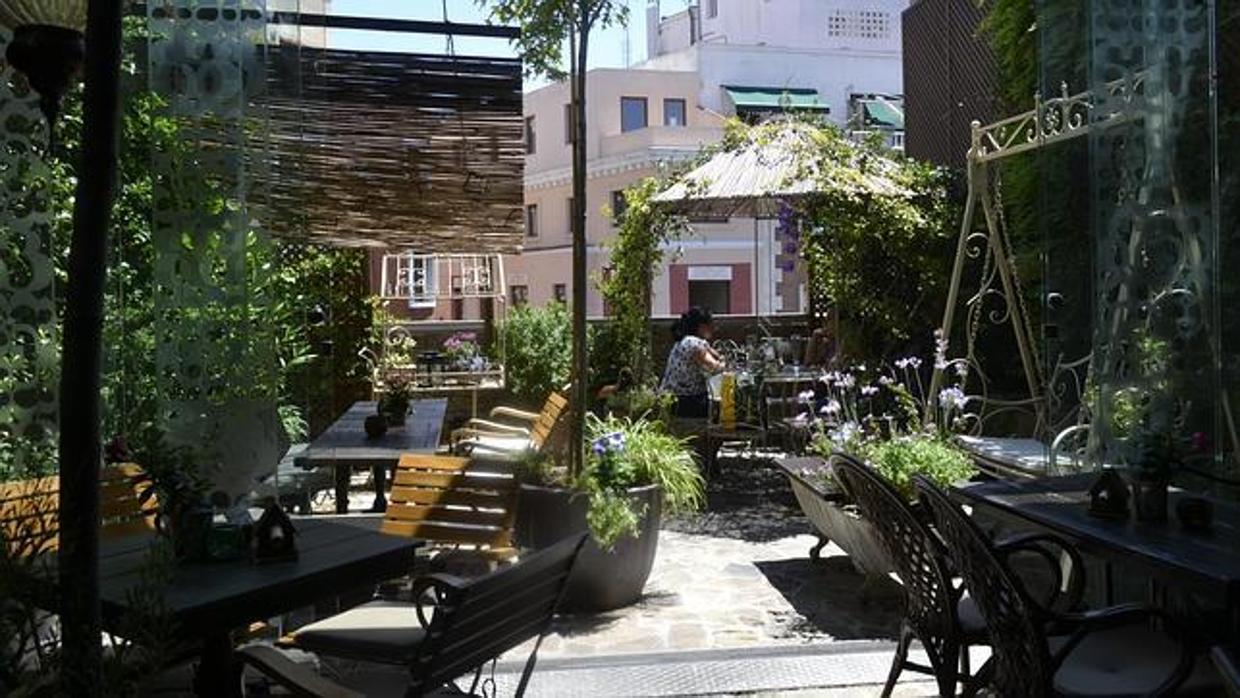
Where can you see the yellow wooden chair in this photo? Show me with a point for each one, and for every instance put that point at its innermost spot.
(29, 509)
(449, 504)
(524, 432)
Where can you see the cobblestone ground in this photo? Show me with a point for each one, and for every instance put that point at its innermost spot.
(738, 574)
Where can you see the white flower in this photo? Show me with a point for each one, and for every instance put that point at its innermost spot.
(885, 381)
(806, 396)
(844, 433)
(869, 390)
(832, 407)
(908, 362)
(953, 398)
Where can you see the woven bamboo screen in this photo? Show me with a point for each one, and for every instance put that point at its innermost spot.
(392, 150)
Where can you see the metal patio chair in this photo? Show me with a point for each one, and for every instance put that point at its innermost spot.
(455, 629)
(1109, 652)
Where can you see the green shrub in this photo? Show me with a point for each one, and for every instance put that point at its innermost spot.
(538, 350)
(926, 454)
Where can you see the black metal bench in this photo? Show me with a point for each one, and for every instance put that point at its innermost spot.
(471, 623)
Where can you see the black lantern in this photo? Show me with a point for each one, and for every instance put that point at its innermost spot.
(48, 46)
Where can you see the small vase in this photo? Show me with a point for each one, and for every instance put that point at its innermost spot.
(1150, 499)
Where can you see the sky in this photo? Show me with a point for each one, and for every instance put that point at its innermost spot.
(607, 48)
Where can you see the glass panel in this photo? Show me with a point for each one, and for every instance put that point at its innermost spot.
(214, 343)
(29, 356)
(1150, 215)
(632, 113)
(673, 112)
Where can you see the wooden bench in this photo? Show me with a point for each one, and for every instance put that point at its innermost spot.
(445, 501)
(29, 509)
(470, 624)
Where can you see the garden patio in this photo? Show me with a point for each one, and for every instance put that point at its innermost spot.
(996, 455)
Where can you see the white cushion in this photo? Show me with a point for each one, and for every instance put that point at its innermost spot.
(503, 444)
(379, 631)
(1131, 660)
(972, 624)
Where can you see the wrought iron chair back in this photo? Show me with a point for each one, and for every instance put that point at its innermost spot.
(921, 564)
(1020, 661)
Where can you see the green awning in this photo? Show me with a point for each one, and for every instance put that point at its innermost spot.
(880, 112)
(766, 99)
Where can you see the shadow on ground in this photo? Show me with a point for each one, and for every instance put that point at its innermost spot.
(747, 500)
(830, 596)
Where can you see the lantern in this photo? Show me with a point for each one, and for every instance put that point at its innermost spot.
(48, 45)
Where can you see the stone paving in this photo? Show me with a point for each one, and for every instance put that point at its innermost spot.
(739, 575)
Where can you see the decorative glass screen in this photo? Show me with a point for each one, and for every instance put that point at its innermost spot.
(29, 355)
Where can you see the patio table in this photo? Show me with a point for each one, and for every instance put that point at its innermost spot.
(207, 601)
(1206, 562)
(345, 447)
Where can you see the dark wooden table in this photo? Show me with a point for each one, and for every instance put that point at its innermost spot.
(205, 602)
(345, 447)
(1175, 557)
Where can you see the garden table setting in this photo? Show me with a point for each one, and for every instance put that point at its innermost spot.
(199, 604)
(346, 446)
(1186, 550)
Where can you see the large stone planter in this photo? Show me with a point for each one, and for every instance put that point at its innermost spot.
(835, 519)
(602, 580)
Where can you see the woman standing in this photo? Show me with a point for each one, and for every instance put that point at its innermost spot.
(690, 363)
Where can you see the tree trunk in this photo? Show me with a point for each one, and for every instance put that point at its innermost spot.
(81, 360)
(581, 363)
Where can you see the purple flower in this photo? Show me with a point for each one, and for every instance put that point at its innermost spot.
(608, 443)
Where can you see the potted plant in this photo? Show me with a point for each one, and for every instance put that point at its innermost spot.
(463, 351)
(1155, 449)
(635, 473)
(874, 416)
(394, 405)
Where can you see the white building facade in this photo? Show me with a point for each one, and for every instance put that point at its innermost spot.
(718, 59)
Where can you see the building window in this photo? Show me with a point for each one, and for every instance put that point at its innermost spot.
(531, 140)
(632, 114)
(859, 24)
(568, 123)
(560, 292)
(673, 112)
(420, 280)
(519, 295)
(712, 8)
(618, 206)
(569, 215)
(531, 221)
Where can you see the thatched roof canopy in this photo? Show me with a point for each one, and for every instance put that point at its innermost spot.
(392, 150)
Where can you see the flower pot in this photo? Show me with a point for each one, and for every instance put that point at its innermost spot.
(602, 580)
(1149, 499)
(834, 519)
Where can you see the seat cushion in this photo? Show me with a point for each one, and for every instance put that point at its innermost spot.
(506, 444)
(387, 632)
(1131, 660)
(972, 624)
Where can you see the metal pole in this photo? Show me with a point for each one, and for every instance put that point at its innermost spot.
(962, 245)
(579, 45)
(81, 360)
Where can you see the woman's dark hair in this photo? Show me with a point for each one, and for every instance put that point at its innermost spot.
(690, 321)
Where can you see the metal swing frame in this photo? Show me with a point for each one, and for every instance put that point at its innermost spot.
(1051, 121)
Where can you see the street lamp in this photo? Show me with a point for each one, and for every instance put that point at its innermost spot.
(48, 46)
